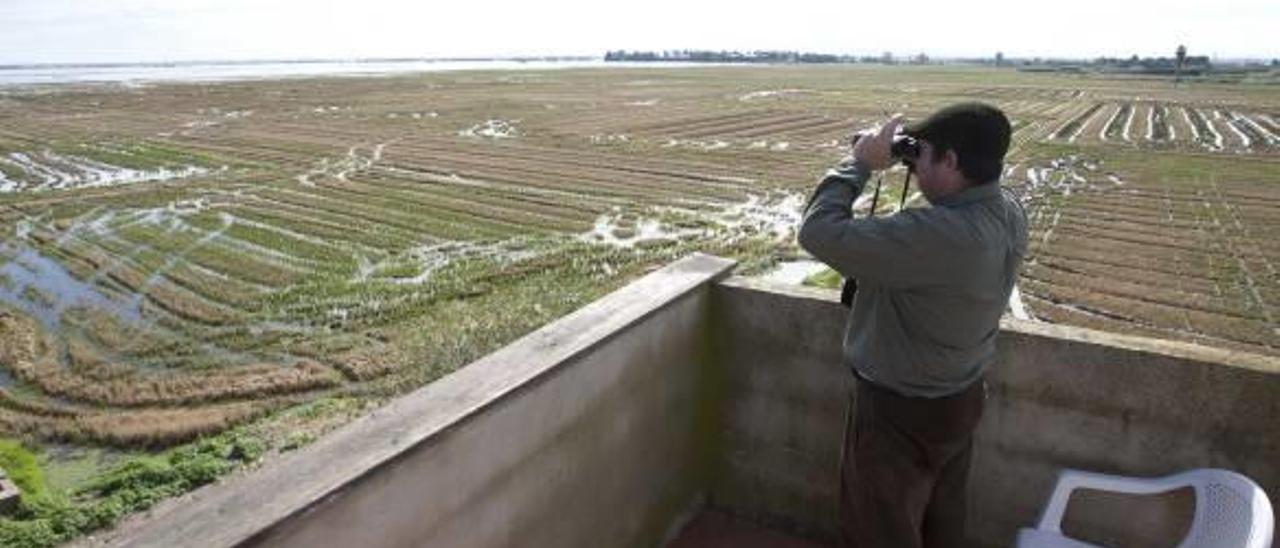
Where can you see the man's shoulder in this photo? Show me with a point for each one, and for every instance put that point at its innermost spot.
(977, 224)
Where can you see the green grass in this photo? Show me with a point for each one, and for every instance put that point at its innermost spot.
(826, 278)
(135, 484)
(12, 172)
(88, 498)
(146, 156)
(20, 465)
(68, 469)
(398, 270)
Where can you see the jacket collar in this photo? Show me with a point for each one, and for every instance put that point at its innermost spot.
(969, 195)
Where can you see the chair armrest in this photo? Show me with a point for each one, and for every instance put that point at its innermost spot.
(1035, 538)
(1070, 480)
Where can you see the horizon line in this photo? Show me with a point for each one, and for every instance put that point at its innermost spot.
(535, 58)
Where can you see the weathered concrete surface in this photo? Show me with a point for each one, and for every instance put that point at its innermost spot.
(584, 433)
(1060, 397)
(718, 530)
(784, 406)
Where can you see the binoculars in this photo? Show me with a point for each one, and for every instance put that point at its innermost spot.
(904, 148)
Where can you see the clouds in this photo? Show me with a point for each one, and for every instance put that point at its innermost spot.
(154, 30)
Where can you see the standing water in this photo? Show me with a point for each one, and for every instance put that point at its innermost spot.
(794, 272)
(42, 288)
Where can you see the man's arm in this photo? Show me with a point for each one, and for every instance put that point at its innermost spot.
(897, 250)
(831, 205)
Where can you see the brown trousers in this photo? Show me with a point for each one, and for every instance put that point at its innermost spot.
(905, 466)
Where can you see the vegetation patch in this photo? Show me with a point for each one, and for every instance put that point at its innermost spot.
(20, 465)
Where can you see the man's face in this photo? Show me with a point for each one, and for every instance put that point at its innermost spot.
(929, 174)
(937, 173)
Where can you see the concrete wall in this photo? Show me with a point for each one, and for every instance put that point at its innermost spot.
(609, 426)
(783, 408)
(588, 432)
(1060, 397)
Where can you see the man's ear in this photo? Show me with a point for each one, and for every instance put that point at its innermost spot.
(951, 160)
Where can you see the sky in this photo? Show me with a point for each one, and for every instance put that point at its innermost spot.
(95, 31)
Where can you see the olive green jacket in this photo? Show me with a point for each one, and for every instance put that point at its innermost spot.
(932, 282)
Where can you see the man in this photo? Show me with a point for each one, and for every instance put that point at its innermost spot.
(932, 285)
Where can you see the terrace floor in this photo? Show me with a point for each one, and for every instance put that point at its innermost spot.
(712, 529)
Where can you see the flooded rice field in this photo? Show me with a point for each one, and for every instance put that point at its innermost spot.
(306, 236)
(43, 288)
(186, 260)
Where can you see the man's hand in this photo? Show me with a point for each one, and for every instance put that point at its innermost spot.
(872, 148)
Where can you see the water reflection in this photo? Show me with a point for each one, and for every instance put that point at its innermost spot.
(44, 289)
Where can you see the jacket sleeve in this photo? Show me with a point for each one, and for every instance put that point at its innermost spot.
(901, 250)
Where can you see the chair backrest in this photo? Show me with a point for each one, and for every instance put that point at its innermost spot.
(1231, 511)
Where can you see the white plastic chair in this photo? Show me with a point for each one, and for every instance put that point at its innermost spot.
(1231, 510)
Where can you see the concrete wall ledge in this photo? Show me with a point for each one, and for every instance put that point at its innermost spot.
(1184, 350)
(246, 507)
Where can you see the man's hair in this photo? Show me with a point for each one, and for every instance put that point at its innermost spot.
(977, 132)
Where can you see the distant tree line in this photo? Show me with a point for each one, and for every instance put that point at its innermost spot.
(727, 56)
(1191, 64)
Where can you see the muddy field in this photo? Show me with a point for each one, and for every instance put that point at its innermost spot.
(183, 259)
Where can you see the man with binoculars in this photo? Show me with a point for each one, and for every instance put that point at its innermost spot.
(932, 284)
